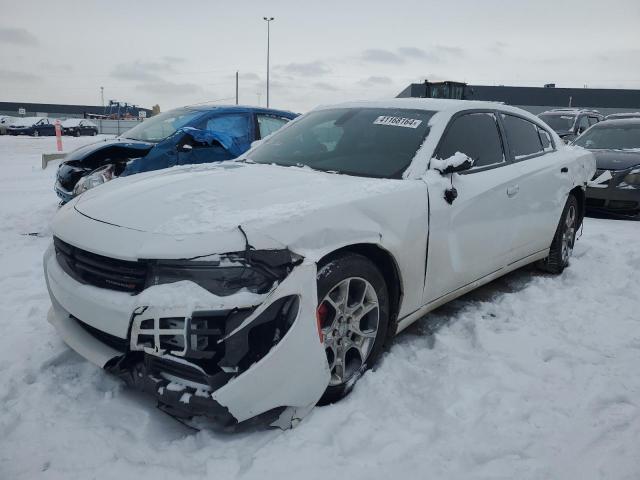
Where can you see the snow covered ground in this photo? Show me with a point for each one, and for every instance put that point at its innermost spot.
(531, 377)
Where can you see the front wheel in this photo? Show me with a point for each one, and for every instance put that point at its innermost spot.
(353, 316)
(36, 133)
(563, 240)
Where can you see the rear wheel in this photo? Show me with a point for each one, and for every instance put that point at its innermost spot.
(36, 133)
(353, 315)
(564, 239)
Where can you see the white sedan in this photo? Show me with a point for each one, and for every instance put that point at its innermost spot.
(263, 286)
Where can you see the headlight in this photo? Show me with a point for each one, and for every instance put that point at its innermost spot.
(632, 178)
(95, 178)
(223, 277)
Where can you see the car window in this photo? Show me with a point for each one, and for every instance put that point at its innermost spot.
(523, 136)
(583, 123)
(545, 138)
(269, 124)
(477, 136)
(235, 125)
(593, 120)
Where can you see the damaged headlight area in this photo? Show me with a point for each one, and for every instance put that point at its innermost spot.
(256, 271)
(632, 178)
(97, 177)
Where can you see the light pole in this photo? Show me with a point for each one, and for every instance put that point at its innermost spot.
(268, 20)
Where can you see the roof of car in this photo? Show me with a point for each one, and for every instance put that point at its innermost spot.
(432, 104)
(238, 108)
(619, 121)
(575, 111)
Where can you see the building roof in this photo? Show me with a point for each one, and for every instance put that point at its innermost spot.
(530, 96)
(61, 109)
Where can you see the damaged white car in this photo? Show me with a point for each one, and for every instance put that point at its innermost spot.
(263, 286)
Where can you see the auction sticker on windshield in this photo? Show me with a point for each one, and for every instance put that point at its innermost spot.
(397, 121)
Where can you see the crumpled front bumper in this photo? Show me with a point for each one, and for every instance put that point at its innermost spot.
(614, 195)
(288, 379)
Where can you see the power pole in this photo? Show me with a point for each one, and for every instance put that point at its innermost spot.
(268, 20)
(102, 95)
(236, 88)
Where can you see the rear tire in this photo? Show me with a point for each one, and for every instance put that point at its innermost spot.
(36, 133)
(563, 240)
(353, 314)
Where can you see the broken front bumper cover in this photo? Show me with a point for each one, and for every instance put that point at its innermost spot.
(164, 354)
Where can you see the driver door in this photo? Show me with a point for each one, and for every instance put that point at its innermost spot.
(473, 236)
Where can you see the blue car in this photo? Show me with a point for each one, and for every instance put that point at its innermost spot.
(34, 126)
(187, 135)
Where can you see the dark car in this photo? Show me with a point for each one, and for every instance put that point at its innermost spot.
(568, 123)
(188, 135)
(78, 127)
(34, 126)
(616, 184)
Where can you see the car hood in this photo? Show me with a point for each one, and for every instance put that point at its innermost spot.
(616, 159)
(119, 143)
(211, 201)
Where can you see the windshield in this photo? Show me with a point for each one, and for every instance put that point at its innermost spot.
(368, 142)
(560, 123)
(611, 137)
(162, 125)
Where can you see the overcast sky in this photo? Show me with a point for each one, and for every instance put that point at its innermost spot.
(181, 52)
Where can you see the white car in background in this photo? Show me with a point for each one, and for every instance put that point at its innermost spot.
(268, 284)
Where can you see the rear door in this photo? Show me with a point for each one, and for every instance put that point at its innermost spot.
(543, 183)
(473, 236)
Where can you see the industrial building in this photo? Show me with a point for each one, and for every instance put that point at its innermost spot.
(116, 110)
(533, 99)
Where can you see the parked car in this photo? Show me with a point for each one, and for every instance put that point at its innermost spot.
(616, 184)
(78, 127)
(5, 121)
(34, 126)
(187, 135)
(618, 116)
(570, 122)
(264, 285)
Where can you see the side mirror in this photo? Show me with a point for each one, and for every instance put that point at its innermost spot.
(185, 147)
(459, 162)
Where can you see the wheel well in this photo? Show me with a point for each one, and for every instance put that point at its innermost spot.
(580, 195)
(382, 259)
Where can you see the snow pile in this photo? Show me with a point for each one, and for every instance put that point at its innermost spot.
(531, 377)
(450, 164)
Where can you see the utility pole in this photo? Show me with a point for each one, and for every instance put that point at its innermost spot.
(102, 96)
(268, 20)
(236, 88)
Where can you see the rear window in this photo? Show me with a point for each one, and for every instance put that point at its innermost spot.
(523, 136)
(368, 142)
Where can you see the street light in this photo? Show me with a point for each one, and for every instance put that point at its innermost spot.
(268, 20)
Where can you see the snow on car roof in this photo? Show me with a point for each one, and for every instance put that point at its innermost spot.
(27, 121)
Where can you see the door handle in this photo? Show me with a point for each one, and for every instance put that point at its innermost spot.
(564, 170)
(513, 190)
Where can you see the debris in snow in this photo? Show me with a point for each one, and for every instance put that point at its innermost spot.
(451, 164)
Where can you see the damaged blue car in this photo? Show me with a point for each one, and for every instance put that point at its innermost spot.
(187, 135)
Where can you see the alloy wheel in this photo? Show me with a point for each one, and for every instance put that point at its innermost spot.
(569, 234)
(348, 317)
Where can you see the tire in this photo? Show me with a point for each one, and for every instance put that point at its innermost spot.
(563, 240)
(36, 133)
(349, 333)
(77, 133)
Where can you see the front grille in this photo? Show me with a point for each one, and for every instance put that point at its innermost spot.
(117, 343)
(103, 272)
